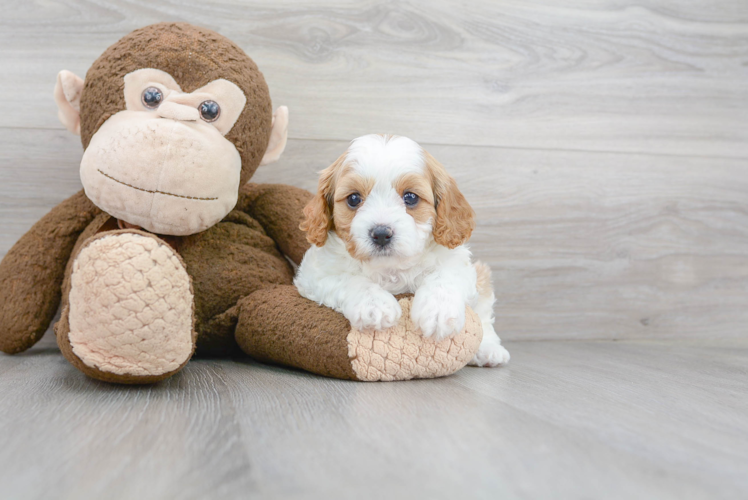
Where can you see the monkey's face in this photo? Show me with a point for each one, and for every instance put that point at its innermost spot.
(173, 119)
(163, 163)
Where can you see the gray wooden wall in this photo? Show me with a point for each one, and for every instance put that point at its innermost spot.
(603, 144)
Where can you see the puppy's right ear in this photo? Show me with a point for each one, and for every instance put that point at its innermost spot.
(318, 220)
(68, 98)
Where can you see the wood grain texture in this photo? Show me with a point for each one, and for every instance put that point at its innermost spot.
(582, 244)
(652, 76)
(596, 245)
(563, 420)
(603, 145)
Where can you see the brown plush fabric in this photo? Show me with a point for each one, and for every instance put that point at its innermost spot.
(279, 208)
(278, 325)
(32, 271)
(219, 341)
(241, 279)
(227, 262)
(194, 57)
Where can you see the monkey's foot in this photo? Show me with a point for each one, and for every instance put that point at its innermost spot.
(129, 317)
(279, 325)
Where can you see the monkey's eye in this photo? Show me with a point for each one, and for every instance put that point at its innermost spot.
(410, 199)
(210, 111)
(152, 97)
(354, 200)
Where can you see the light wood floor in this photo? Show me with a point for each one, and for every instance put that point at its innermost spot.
(604, 146)
(575, 419)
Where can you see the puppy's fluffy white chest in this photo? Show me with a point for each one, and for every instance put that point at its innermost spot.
(395, 275)
(396, 281)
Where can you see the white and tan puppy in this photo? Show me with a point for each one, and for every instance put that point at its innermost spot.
(388, 219)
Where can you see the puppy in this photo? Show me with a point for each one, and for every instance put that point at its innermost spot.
(388, 219)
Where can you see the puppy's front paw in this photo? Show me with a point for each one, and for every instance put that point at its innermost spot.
(374, 308)
(490, 354)
(438, 312)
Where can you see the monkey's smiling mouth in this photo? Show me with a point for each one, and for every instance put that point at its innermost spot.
(155, 191)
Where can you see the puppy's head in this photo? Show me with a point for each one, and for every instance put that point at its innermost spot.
(386, 197)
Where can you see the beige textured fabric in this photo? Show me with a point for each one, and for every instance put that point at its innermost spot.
(131, 306)
(386, 356)
(137, 81)
(186, 180)
(229, 97)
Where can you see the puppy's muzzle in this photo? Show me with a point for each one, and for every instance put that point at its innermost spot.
(381, 235)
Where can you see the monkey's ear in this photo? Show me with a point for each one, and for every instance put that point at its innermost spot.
(278, 136)
(68, 98)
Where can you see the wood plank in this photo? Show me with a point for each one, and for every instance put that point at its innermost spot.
(595, 245)
(592, 419)
(603, 145)
(582, 245)
(658, 76)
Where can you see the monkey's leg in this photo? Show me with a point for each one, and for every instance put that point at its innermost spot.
(130, 312)
(32, 271)
(278, 325)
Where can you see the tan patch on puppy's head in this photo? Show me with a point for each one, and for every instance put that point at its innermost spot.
(440, 203)
(329, 210)
(420, 185)
(349, 182)
(455, 218)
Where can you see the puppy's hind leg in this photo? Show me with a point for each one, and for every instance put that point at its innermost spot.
(490, 352)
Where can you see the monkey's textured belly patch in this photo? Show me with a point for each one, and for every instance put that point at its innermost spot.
(394, 354)
(131, 306)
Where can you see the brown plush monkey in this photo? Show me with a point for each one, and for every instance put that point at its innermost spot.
(168, 249)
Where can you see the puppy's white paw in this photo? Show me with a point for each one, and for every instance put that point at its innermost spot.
(374, 308)
(438, 312)
(490, 353)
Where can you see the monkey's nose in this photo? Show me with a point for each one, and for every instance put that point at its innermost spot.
(381, 235)
(174, 111)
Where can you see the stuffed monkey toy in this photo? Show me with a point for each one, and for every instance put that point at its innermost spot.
(168, 249)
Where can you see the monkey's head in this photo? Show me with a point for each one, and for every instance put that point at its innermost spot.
(173, 119)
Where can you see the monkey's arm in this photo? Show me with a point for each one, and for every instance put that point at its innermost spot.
(32, 271)
(279, 209)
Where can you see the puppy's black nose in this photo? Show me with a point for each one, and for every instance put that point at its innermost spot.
(381, 235)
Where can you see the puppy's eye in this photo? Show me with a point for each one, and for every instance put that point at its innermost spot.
(152, 97)
(410, 199)
(354, 200)
(210, 111)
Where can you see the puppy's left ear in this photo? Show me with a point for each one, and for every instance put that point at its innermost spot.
(455, 218)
